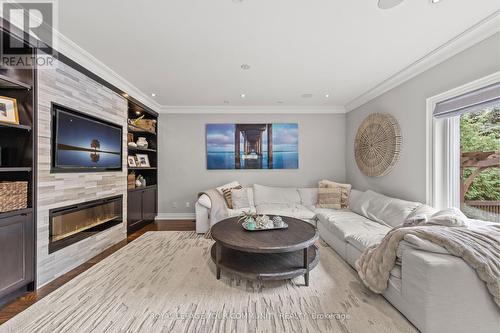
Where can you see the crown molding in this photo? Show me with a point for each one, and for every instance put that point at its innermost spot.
(478, 32)
(226, 109)
(71, 50)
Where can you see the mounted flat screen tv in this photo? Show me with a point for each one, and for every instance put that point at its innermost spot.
(82, 143)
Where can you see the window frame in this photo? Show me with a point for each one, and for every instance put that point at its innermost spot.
(443, 147)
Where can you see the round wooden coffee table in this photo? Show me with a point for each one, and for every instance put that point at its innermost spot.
(265, 255)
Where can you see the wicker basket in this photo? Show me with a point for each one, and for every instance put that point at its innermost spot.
(13, 196)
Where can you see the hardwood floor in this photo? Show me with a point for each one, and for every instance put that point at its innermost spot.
(28, 299)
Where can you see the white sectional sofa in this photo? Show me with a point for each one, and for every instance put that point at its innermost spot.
(436, 291)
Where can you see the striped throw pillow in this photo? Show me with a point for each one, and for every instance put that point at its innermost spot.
(226, 193)
(329, 197)
(345, 190)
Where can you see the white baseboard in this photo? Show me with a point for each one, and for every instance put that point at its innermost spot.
(176, 216)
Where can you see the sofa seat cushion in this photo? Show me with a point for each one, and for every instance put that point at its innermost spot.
(236, 212)
(363, 240)
(344, 223)
(290, 209)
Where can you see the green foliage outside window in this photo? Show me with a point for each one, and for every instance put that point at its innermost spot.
(480, 131)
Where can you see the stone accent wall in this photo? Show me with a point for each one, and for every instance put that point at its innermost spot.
(70, 88)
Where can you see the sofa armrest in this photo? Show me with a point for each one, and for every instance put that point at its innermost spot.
(205, 201)
(445, 294)
(202, 218)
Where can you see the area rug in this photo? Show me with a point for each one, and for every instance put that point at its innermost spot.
(165, 282)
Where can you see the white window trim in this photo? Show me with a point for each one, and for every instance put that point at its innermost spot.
(442, 148)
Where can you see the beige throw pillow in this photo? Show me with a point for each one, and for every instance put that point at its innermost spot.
(239, 198)
(226, 193)
(345, 190)
(329, 197)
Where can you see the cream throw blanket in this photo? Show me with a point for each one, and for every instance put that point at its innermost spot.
(218, 211)
(478, 244)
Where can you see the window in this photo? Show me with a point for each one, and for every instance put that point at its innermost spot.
(479, 164)
(463, 146)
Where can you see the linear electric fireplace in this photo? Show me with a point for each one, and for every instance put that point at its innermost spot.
(71, 224)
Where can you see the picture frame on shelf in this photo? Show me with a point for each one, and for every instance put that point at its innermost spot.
(143, 160)
(131, 161)
(9, 112)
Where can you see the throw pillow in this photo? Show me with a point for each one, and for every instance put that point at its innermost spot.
(240, 198)
(329, 197)
(226, 193)
(451, 217)
(420, 215)
(228, 185)
(345, 190)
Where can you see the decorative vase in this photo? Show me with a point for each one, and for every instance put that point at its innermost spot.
(142, 142)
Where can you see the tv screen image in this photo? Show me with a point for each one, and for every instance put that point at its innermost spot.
(82, 142)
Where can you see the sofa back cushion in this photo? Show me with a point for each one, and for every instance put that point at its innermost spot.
(383, 209)
(354, 196)
(267, 194)
(308, 196)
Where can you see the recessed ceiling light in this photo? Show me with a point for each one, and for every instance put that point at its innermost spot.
(306, 95)
(125, 95)
(243, 95)
(327, 95)
(245, 67)
(153, 94)
(137, 112)
(386, 4)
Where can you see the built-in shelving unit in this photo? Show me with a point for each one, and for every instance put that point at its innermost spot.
(17, 161)
(142, 201)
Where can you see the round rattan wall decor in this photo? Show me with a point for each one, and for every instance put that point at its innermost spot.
(377, 144)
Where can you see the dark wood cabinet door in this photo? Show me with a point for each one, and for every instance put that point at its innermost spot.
(134, 207)
(16, 252)
(149, 204)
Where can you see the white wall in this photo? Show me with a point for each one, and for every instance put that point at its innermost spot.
(407, 103)
(182, 160)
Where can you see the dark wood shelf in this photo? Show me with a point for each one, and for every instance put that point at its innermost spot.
(142, 168)
(142, 149)
(16, 212)
(15, 169)
(135, 129)
(141, 188)
(11, 83)
(21, 127)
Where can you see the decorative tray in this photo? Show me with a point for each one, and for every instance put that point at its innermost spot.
(244, 225)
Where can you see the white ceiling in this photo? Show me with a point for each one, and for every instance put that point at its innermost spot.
(189, 52)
